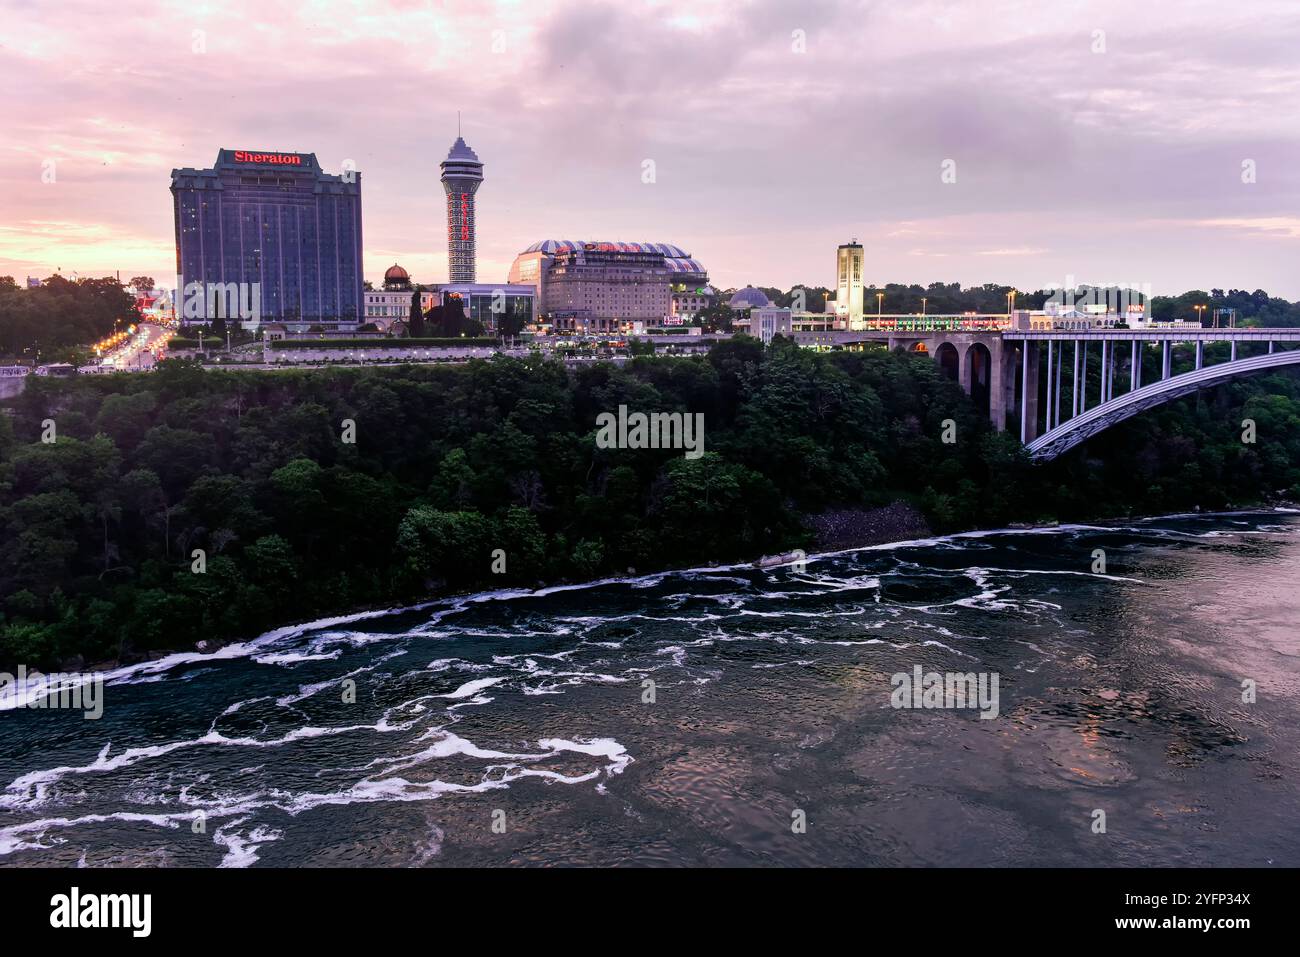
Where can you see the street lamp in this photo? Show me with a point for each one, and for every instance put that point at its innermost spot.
(880, 299)
(923, 300)
(1200, 314)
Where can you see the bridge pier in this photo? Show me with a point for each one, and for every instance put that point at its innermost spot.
(1074, 383)
(1051, 367)
(963, 369)
(1083, 381)
(981, 365)
(1200, 353)
(1001, 385)
(1105, 370)
(1008, 382)
(1056, 402)
(1113, 375)
(1135, 367)
(1166, 363)
(1028, 392)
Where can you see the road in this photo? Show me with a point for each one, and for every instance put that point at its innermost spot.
(138, 352)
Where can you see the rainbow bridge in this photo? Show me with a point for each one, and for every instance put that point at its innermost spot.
(1019, 375)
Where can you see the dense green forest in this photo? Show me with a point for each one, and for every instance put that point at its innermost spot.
(450, 463)
(58, 320)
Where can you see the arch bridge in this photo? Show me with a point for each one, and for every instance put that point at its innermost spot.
(1124, 356)
(1019, 376)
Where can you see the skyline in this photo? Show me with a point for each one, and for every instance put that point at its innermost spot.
(1121, 166)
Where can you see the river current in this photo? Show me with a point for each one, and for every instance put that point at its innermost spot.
(723, 716)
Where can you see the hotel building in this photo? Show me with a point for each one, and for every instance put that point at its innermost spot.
(276, 223)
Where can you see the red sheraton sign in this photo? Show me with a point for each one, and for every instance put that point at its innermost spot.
(279, 159)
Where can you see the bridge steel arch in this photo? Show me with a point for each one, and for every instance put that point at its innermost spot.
(1087, 424)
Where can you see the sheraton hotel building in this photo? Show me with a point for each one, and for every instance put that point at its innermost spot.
(277, 220)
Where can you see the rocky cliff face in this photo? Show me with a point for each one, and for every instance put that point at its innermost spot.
(12, 386)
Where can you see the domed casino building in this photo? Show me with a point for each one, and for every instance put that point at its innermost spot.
(599, 286)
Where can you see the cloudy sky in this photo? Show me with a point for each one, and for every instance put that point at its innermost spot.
(1104, 141)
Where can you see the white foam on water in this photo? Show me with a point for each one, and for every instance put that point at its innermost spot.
(242, 851)
(455, 604)
(470, 688)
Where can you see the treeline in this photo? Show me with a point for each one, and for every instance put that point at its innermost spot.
(61, 317)
(316, 492)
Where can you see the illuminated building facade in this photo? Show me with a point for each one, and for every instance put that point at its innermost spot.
(848, 295)
(608, 287)
(765, 322)
(278, 221)
(462, 173)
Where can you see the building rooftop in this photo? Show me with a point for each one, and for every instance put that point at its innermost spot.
(749, 298)
(461, 153)
(553, 246)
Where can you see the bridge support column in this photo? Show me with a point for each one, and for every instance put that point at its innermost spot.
(1051, 367)
(1105, 370)
(1166, 363)
(963, 368)
(1114, 370)
(1200, 353)
(1060, 355)
(1006, 363)
(1083, 381)
(997, 379)
(1135, 370)
(1074, 382)
(1270, 347)
(1029, 392)
(1234, 351)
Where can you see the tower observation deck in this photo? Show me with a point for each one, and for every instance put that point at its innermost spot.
(462, 172)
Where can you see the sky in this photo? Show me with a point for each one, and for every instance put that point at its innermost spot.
(1152, 144)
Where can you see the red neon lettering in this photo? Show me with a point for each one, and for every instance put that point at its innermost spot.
(281, 159)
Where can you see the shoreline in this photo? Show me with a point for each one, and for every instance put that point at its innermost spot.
(163, 660)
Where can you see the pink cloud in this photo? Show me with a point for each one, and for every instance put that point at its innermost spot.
(765, 157)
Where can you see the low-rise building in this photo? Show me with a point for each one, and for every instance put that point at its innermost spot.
(770, 321)
(389, 308)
